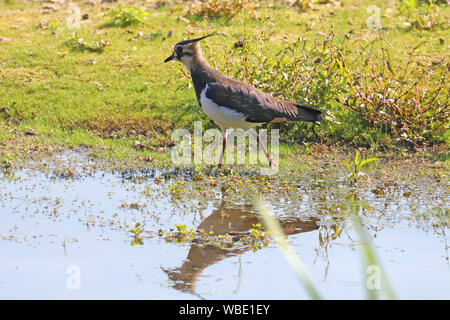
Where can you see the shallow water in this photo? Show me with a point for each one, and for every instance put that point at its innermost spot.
(52, 224)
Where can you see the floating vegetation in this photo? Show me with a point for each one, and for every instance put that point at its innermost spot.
(137, 234)
(255, 238)
(6, 162)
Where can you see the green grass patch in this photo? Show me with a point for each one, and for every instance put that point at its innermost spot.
(106, 86)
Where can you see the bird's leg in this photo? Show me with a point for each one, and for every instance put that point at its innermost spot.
(224, 144)
(271, 161)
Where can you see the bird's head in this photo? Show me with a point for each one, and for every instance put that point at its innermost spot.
(185, 51)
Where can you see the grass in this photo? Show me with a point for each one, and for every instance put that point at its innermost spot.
(370, 260)
(111, 88)
(126, 16)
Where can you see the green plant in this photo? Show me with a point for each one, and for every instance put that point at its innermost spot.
(5, 166)
(356, 166)
(180, 234)
(78, 44)
(217, 8)
(177, 188)
(126, 16)
(257, 237)
(137, 234)
(409, 104)
(7, 161)
(421, 15)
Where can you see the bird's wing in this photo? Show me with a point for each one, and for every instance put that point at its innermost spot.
(256, 104)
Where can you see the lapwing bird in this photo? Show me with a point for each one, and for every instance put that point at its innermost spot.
(232, 103)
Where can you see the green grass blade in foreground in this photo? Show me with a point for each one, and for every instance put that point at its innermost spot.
(369, 258)
(275, 230)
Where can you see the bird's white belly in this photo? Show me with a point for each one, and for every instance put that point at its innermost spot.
(223, 116)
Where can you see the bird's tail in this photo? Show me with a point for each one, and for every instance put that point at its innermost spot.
(308, 114)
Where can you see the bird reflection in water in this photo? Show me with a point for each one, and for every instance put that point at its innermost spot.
(234, 220)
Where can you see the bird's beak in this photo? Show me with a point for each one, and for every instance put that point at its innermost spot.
(169, 58)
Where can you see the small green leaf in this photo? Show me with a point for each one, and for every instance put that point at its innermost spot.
(366, 161)
(357, 158)
(349, 167)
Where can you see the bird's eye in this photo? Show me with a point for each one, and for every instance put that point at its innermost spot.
(179, 50)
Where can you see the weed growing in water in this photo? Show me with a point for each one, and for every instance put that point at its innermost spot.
(7, 161)
(5, 166)
(255, 238)
(356, 166)
(180, 234)
(177, 189)
(137, 234)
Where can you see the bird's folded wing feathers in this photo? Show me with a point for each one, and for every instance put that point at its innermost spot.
(256, 104)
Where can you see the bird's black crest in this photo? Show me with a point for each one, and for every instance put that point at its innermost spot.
(194, 40)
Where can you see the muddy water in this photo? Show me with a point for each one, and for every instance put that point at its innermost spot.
(65, 235)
